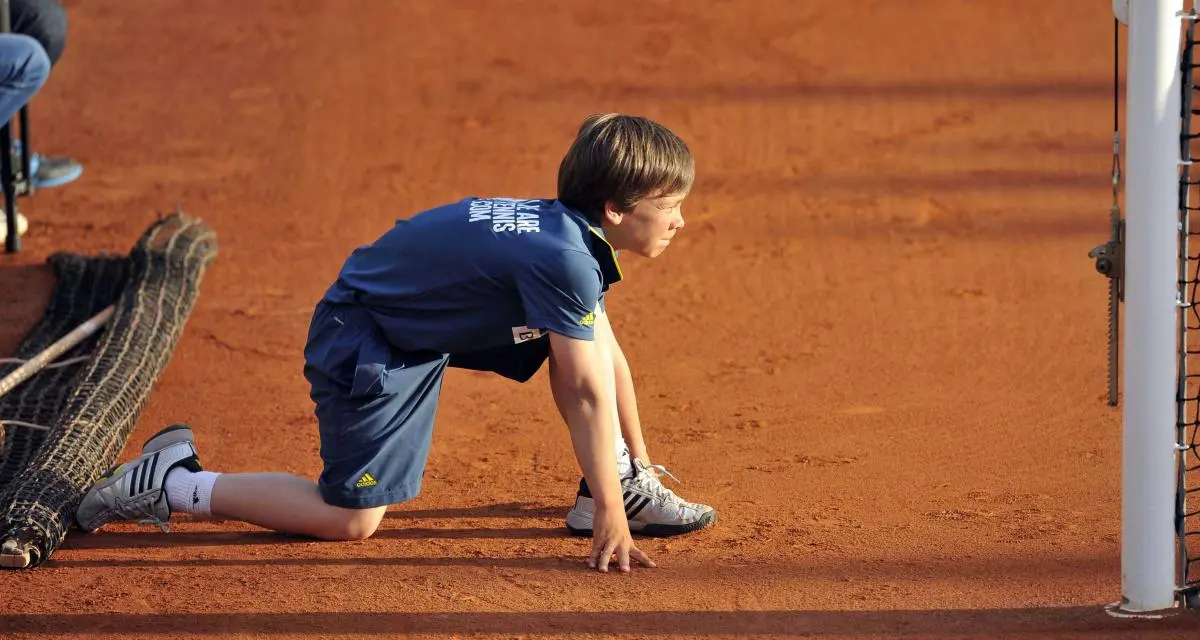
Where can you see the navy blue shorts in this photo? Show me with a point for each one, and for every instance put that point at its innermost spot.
(375, 408)
(376, 403)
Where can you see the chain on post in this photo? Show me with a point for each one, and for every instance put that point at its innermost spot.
(1110, 256)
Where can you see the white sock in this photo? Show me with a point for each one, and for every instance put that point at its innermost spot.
(624, 462)
(190, 492)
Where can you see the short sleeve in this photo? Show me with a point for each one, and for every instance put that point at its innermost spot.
(560, 294)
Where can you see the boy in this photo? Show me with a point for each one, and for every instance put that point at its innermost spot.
(488, 284)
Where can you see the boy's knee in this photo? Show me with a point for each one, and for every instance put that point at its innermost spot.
(353, 524)
(38, 64)
(23, 62)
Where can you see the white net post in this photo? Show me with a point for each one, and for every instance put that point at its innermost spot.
(1148, 559)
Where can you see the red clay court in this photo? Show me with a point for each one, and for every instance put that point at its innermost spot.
(878, 348)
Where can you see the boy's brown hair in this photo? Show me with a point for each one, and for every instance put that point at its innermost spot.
(622, 159)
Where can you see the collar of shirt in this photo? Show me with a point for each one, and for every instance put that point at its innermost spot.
(605, 255)
(601, 250)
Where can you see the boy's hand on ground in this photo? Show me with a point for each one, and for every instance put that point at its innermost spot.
(610, 535)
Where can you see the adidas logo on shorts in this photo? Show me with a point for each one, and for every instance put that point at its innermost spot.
(366, 481)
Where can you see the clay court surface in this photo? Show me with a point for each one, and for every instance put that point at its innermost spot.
(877, 348)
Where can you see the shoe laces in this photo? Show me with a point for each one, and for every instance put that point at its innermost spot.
(149, 517)
(648, 478)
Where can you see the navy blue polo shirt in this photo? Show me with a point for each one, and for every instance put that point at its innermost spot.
(480, 275)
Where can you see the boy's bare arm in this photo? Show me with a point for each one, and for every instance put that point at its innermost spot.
(627, 410)
(579, 393)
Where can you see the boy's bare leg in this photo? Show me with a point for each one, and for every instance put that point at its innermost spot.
(626, 401)
(290, 504)
(604, 350)
(167, 479)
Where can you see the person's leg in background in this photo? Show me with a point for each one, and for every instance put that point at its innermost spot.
(24, 68)
(46, 22)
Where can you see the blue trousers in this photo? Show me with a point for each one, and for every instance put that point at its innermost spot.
(376, 404)
(24, 68)
(375, 409)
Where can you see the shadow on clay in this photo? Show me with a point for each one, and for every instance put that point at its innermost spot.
(920, 183)
(1031, 622)
(963, 89)
(542, 563)
(155, 539)
(24, 293)
(505, 510)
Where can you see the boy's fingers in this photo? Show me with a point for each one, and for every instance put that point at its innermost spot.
(597, 555)
(642, 558)
(623, 559)
(605, 557)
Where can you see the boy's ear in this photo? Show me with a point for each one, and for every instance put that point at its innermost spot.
(612, 214)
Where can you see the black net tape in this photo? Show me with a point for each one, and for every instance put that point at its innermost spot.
(91, 407)
(1187, 392)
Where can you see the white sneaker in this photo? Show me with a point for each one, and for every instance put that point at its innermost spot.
(652, 509)
(22, 225)
(134, 490)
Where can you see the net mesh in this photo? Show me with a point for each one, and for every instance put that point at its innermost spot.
(1188, 385)
(91, 407)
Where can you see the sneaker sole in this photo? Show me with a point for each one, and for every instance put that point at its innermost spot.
(59, 181)
(661, 530)
(167, 437)
(161, 440)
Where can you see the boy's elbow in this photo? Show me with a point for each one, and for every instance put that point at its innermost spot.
(580, 385)
(575, 370)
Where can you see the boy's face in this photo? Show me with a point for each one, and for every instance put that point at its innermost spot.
(648, 227)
